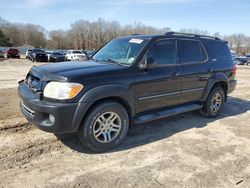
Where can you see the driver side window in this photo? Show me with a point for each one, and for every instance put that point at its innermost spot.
(164, 52)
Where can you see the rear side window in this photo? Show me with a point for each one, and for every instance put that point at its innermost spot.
(163, 52)
(218, 51)
(191, 51)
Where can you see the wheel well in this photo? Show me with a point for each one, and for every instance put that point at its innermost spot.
(119, 100)
(223, 85)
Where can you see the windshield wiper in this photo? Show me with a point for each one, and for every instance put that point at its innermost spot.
(113, 61)
(116, 62)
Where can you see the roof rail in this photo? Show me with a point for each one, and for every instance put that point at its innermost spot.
(171, 33)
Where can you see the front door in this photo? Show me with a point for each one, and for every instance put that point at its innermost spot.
(160, 86)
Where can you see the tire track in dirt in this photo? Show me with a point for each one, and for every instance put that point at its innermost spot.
(21, 142)
(20, 155)
(16, 128)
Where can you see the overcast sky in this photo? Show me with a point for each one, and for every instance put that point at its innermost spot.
(224, 16)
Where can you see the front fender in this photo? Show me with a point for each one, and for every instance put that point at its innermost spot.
(99, 93)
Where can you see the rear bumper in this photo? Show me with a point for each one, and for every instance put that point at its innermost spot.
(231, 86)
(66, 117)
(13, 55)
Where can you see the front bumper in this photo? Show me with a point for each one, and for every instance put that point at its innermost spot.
(58, 59)
(41, 59)
(67, 116)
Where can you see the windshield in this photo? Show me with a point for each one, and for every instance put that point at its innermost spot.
(57, 53)
(123, 50)
(38, 50)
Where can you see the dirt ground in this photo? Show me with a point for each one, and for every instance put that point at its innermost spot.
(187, 150)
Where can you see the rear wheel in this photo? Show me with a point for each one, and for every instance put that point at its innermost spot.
(105, 127)
(214, 103)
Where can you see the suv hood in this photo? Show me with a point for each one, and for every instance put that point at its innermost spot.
(73, 71)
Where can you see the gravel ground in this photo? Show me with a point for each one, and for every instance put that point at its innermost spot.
(187, 150)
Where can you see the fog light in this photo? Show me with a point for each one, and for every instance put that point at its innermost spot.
(51, 118)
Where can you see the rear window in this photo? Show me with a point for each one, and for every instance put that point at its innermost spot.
(218, 50)
(76, 52)
(13, 50)
(191, 51)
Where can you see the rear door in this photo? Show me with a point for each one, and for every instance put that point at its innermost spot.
(159, 87)
(195, 69)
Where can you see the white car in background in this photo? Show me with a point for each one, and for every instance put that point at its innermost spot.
(75, 55)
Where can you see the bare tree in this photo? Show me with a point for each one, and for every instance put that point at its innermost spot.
(84, 34)
(57, 39)
(237, 41)
(195, 31)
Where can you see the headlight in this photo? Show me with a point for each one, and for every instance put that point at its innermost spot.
(62, 90)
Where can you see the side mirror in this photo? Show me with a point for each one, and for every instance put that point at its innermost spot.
(149, 63)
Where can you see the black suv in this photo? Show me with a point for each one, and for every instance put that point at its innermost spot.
(38, 55)
(131, 80)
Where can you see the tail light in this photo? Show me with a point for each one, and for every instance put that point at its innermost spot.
(234, 70)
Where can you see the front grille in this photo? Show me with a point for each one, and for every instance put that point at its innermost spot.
(27, 110)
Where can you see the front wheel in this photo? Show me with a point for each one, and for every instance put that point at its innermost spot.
(214, 103)
(105, 127)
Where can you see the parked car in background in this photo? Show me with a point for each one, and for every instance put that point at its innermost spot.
(75, 55)
(13, 53)
(56, 57)
(27, 54)
(1, 54)
(38, 55)
(248, 59)
(240, 60)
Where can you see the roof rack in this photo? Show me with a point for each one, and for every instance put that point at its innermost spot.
(190, 35)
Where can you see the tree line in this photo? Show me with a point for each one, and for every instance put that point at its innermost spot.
(84, 34)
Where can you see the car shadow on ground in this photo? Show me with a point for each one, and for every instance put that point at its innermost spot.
(161, 129)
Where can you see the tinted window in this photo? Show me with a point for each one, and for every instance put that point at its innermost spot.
(191, 51)
(38, 50)
(14, 50)
(163, 52)
(57, 53)
(218, 50)
(76, 52)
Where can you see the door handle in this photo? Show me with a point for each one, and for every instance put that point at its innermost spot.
(175, 74)
(210, 70)
(204, 78)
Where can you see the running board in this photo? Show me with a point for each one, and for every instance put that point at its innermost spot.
(166, 113)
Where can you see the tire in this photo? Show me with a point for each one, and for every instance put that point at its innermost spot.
(92, 133)
(214, 103)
